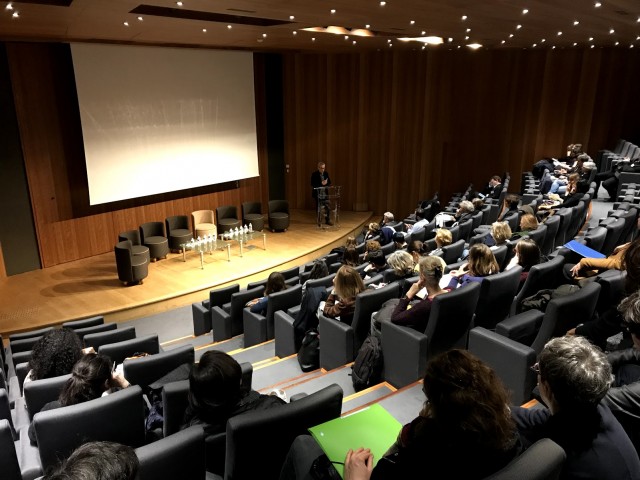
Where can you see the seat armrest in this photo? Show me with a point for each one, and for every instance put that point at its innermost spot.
(294, 311)
(336, 343)
(201, 319)
(284, 334)
(220, 324)
(255, 328)
(522, 327)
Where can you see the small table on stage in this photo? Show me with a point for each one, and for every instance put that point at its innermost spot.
(328, 206)
(243, 238)
(205, 245)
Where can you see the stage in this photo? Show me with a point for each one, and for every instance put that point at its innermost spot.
(90, 286)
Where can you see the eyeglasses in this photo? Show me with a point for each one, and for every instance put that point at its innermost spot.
(535, 368)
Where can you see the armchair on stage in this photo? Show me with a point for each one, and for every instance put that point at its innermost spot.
(328, 206)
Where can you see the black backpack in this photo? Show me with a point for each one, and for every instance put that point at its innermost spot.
(367, 368)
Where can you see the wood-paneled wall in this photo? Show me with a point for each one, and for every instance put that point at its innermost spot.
(394, 127)
(67, 227)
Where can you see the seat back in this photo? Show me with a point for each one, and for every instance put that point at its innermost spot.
(105, 327)
(501, 253)
(202, 216)
(181, 455)
(476, 220)
(121, 350)
(258, 441)
(576, 216)
(118, 417)
(552, 223)
(595, 238)
(40, 392)
(450, 319)
(132, 235)
(538, 235)
(23, 345)
(567, 312)
(368, 302)
(512, 219)
(612, 291)
(151, 229)
(5, 412)
(238, 301)
(251, 207)
(30, 334)
(290, 272)
(123, 261)
(541, 461)
(86, 322)
(630, 218)
(496, 296)
(417, 234)
(543, 275)
(478, 238)
(281, 206)
(177, 222)
(451, 253)
(455, 233)
(96, 340)
(22, 370)
(465, 229)
(321, 282)
(565, 215)
(614, 230)
(281, 301)
(146, 370)
(9, 465)
(222, 296)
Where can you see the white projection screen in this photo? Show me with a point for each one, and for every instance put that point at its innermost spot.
(158, 119)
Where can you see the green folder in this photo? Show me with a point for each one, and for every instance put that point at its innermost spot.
(372, 427)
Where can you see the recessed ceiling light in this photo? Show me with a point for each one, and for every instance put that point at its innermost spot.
(464, 17)
(388, 40)
(597, 5)
(390, 45)
(575, 44)
(592, 46)
(559, 33)
(424, 47)
(15, 14)
(354, 42)
(450, 39)
(543, 40)
(591, 39)
(229, 27)
(179, 4)
(313, 39)
(382, 4)
(631, 46)
(611, 31)
(617, 43)
(9, 6)
(140, 19)
(367, 26)
(638, 20)
(126, 24)
(534, 45)
(291, 17)
(295, 32)
(423, 32)
(468, 30)
(511, 35)
(474, 46)
(576, 22)
(204, 30)
(518, 27)
(553, 47)
(264, 35)
(525, 11)
(638, 37)
(412, 22)
(503, 42)
(333, 10)
(346, 37)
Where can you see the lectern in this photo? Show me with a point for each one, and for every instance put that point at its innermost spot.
(328, 206)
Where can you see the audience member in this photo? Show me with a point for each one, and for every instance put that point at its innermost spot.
(377, 264)
(318, 270)
(54, 354)
(351, 257)
(443, 238)
(452, 425)
(481, 264)
(91, 377)
(402, 266)
(399, 240)
(421, 222)
(98, 461)
(478, 203)
(342, 300)
(275, 283)
(493, 188)
(465, 212)
(215, 393)
(590, 267)
(387, 219)
(574, 376)
(582, 188)
(526, 253)
(528, 223)
(500, 233)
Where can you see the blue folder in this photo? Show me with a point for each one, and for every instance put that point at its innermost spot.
(583, 250)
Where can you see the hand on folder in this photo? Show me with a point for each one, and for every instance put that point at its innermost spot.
(358, 464)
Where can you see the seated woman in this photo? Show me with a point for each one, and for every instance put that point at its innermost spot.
(481, 264)
(443, 238)
(54, 354)
(215, 394)
(377, 264)
(275, 283)
(402, 266)
(526, 253)
(416, 315)
(318, 270)
(454, 432)
(351, 257)
(500, 233)
(91, 377)
(590, 267)
(528, 223)
(399, 241)
(342, 300)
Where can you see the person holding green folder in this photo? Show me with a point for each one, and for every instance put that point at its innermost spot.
(464, 430)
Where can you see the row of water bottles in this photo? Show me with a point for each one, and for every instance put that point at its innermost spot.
(238, 232)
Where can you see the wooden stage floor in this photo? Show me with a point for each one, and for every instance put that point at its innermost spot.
(90, 286)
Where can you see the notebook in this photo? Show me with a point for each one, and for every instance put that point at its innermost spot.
(583, 250)
(373, 428)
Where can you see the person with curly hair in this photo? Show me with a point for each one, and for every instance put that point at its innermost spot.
(54, 354)
(98, 460)
(91, 377)
(455, 434)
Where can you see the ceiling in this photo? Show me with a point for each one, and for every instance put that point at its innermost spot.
(277, 25)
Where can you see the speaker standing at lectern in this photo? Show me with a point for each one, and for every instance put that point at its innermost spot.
(320, 178)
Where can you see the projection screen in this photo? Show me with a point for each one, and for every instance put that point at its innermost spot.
(158, 119)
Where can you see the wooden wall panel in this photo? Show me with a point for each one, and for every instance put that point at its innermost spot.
(67, 227)
(394, 127)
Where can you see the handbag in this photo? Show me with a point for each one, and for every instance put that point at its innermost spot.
(309, 353)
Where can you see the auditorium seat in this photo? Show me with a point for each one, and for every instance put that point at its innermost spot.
(541, 461)
(29, 334)
(9, 465)
(146, 370)
(153, 236)
(227, 217)
(85, 322)
(132, 269)
(136, 243)
(225, 325)
(252, 214)
(40, 392)
(105, 327)
(278, 215)
(96, 340)
(201, 312)
(204, 223)
(178, 231)
(121, 350)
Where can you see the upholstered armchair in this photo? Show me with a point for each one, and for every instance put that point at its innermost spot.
(227, 218)
(204, 223)
(153, 236)
(178, 231)
(252, 214)
(132, 269)
(278, 215)
(136, 244)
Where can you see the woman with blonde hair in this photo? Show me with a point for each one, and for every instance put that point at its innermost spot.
(500, 233)
(401, 264)
(342, 300)
(481, 263)
(443, 238)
